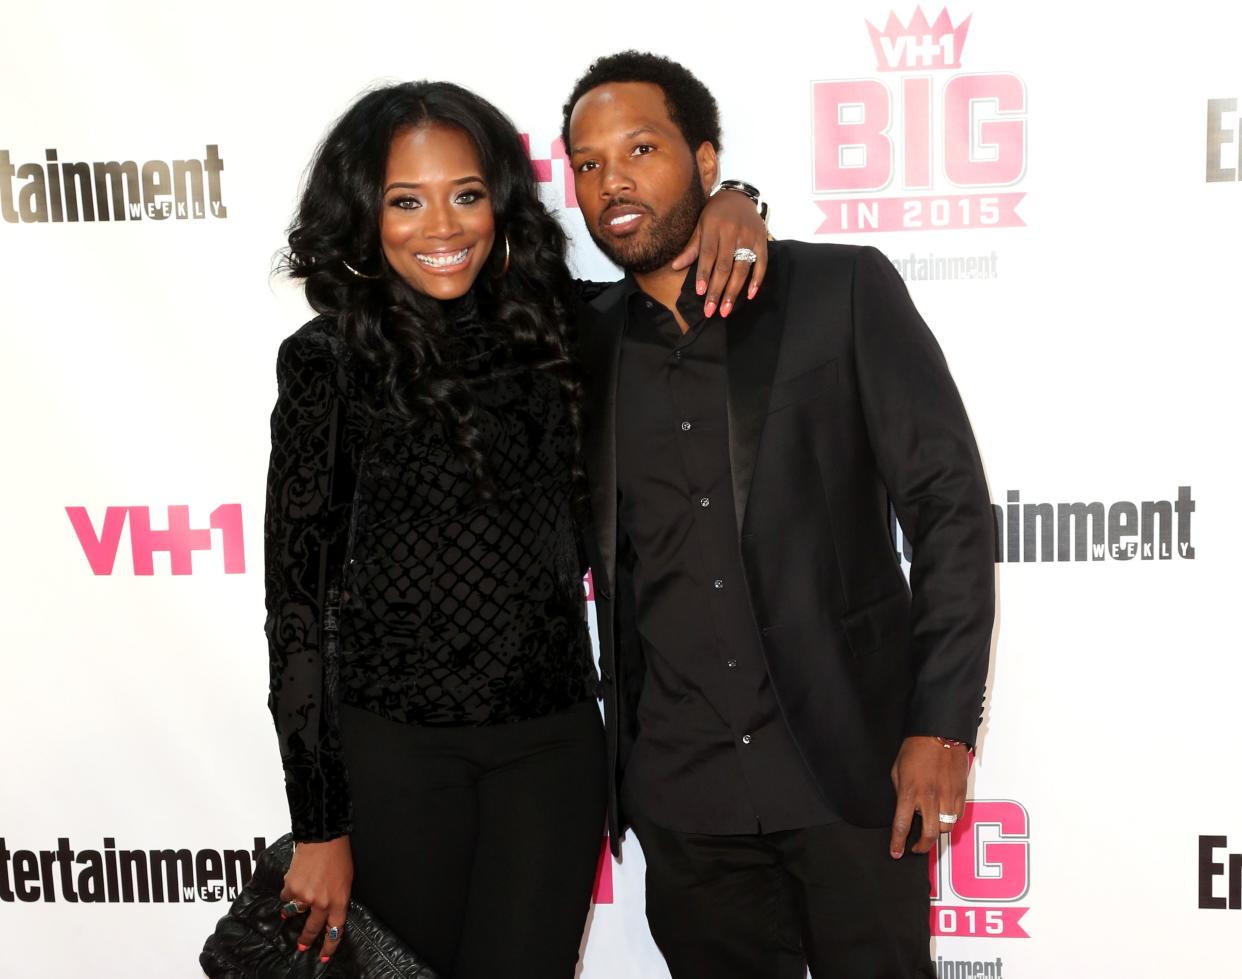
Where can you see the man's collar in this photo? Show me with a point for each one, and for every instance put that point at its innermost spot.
(688, 294)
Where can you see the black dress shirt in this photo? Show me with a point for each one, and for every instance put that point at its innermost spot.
(713, 753)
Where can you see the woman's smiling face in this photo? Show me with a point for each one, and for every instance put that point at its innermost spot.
(436, 222)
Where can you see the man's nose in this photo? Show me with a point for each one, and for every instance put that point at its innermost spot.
(616, 179)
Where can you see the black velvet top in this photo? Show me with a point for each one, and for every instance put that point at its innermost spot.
(391, 585)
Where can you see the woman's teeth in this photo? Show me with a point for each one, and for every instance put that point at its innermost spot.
(442, 260)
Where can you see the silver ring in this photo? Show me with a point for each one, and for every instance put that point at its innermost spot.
(334, 932)
(745, 255)
(948, 817)
(292, 907)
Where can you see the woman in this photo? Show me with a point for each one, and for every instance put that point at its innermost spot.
(431, 673)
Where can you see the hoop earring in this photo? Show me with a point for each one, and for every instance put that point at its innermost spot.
(353, 271)
(504, 268)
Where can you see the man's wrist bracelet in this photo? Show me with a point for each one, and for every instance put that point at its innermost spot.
(742, 187)
(751, 191)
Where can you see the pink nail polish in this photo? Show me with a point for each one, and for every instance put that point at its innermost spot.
(701, 286)
(750, 293)
(726, 309)
(323, 958)
(302, 947)
(709, 309)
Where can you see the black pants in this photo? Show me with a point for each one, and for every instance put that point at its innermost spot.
(478, 846)
(766, 907)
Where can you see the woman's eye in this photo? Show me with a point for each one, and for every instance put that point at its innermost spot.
(405, 203)
(471, 196)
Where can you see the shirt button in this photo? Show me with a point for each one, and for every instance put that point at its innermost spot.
(745, 739)
(677, 355)
(705, 502)
(732, 664)
(718, 584)
(648, 303)
(686, 426)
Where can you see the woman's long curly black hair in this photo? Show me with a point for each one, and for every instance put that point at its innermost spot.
(398, 335)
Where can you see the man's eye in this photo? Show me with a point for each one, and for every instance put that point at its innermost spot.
(642, 149)
(584, 167)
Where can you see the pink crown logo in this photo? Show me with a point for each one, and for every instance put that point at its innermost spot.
(919, 45)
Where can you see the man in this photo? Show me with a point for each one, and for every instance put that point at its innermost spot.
(781, 708)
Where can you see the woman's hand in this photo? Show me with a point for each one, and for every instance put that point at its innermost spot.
(728, 222)
(319, 880)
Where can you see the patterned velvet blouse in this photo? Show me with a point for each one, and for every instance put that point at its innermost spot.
(391, 586)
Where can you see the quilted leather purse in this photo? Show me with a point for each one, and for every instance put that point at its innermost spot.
(252, 941)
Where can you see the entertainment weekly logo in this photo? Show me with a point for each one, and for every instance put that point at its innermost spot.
(1224, 141)
(1030, 532)
(977, 883)
(112, 875)
(179, 540)
(1227, 868)
(72, 191)
(964, 132)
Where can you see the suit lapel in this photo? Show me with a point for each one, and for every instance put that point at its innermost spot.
(602, 330)
(754, 344)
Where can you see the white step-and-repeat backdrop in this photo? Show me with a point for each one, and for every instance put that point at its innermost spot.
(1060, 185)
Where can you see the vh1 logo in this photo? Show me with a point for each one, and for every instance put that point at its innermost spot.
(179, 540)
(969, 132)
(543, 168)
(987, 862)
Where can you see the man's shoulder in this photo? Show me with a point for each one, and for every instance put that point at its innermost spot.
(819, 253)
(608, 298)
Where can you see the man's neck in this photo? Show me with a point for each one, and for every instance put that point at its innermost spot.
(664, 285)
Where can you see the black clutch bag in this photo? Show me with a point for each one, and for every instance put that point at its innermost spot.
(252, 941)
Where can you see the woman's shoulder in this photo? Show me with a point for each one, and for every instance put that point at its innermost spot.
(316, 345)
(317, 337)
(312, 355)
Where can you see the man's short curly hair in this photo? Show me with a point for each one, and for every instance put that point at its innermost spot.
(690, 105)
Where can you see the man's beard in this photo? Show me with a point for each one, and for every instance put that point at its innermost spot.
(663, 240)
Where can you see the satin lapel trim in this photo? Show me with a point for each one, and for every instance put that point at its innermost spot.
(602, 452)
(754, 344)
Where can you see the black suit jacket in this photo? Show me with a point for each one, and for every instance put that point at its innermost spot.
(839, 400)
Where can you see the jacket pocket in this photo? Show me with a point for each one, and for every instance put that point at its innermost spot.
(878, 624)
(802, 387)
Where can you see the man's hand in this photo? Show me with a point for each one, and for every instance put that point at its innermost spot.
(319, 880)
(930, 779)
(729, 221)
